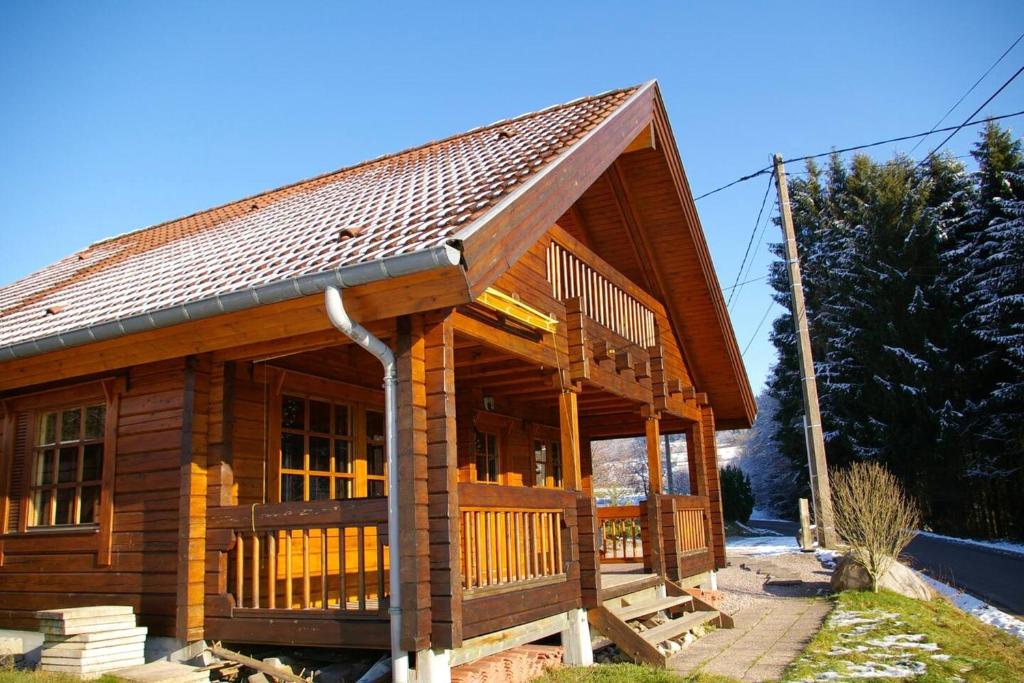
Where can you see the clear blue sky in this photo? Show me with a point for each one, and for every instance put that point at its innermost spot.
(118, 115)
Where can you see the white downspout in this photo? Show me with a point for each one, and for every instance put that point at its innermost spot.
(360, 335)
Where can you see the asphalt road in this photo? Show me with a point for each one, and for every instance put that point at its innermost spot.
(995, 576)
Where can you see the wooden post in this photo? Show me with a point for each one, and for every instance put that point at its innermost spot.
(188, 622)
(816, 461)
(569, 426)
(653, 432)
(712, 482)
(669, 484)
(806, 540)
(410, 354)
(443, 484)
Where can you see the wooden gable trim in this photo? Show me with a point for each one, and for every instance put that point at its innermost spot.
(663, 130)
(496, 240)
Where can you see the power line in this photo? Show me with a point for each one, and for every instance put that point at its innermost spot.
(750, 242)
(754, 336)
(973, 114)
(757, 248)
(969, 91)
(768, 169)
(746, 282)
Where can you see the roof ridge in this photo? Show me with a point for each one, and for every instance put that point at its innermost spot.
(367, 162)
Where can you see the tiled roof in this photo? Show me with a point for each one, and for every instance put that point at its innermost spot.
(393, 205)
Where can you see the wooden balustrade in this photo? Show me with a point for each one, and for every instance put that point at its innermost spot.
(620, 533)
(687, 535)
(606, 296)
(318, 555)
(691, 534)
(512, 536)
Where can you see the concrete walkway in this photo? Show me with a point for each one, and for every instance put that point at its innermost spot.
(768, 637)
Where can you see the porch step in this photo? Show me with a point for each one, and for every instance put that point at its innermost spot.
(678, 626)
(646, 608)
(625, 624)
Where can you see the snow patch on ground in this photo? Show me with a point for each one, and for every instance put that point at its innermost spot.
(828, 558)
(885, 656)
(753, 546)
(759, 532)
(1004, 546)
(978, 608)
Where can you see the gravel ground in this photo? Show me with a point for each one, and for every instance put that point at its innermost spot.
(743, 582)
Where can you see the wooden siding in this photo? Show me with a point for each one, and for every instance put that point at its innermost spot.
(49, 569)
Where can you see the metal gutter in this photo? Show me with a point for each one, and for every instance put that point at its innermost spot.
(447, 254)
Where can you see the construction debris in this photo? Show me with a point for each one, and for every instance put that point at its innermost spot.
(517, 665)
(276, 671)
(90, 641)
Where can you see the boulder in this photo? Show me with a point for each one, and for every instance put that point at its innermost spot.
(850, 575)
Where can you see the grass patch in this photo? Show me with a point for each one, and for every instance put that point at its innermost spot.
(625, 673)
(866, 629)
(10, 675)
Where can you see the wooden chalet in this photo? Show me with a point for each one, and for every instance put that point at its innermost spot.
(184, 430)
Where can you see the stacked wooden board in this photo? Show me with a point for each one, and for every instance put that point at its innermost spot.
(12, 653)
(90, 641)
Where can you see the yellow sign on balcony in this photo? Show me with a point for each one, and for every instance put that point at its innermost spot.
(514, 308)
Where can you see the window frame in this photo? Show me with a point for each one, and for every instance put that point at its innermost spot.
(480, 431)
(331, 436)
(104, 391)
(551, 439)
(39, 448)
(283, 382)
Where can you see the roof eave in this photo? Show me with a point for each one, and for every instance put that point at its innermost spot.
(444, 255)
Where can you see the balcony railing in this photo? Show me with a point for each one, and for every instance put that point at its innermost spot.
(606, 295)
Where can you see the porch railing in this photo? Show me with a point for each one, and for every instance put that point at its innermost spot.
(687, 535)
(512, 536)
(326, 555)
(620, 533)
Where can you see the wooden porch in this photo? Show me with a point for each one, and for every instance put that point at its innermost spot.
(499, 402)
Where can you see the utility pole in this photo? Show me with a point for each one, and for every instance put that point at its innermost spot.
(818, 465)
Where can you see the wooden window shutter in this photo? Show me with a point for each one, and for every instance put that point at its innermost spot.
(19, 470)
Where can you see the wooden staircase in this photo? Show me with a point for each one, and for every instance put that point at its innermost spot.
(640, 614)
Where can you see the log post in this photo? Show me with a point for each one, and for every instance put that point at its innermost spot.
(410, 351)
(443, 484)
(569, 426)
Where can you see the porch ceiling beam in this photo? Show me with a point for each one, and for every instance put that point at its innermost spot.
(541, 351)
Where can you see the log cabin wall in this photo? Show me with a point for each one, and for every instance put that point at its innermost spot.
(64, 568)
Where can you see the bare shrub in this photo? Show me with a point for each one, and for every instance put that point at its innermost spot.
(873, 516)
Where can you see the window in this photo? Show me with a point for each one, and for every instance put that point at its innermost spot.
(316, 449)
(376, 459)
(547, 463)
(486, 448)
(67, 472)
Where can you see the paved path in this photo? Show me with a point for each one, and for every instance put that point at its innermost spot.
(768, 637)
(990, 574)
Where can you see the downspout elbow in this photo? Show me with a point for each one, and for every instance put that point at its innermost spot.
(360, 335)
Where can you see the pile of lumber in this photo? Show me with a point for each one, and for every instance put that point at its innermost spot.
(12, 653)
(90, 641)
